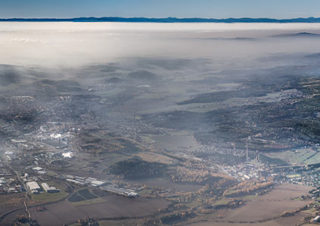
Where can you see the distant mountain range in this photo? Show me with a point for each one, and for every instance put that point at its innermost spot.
(166, 20)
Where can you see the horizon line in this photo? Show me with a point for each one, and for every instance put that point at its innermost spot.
(165, 19)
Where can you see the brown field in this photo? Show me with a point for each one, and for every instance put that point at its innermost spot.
(112, 207)
(10, 201)
(265, 210)
(284, 221)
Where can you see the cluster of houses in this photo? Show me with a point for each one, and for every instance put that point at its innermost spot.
(9, 182)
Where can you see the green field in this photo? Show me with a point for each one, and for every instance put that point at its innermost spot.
(301, 156)
(48, 197)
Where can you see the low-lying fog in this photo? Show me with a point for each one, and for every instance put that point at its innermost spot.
(82, 44)
(148, 69)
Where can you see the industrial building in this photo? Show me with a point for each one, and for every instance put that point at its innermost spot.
(49, 189)
(120, 191)
(33, 187)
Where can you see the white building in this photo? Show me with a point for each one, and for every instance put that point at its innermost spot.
(33, 187)
(37, 168)
(97, 183)
(49, 189)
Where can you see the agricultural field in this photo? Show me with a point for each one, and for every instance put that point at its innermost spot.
(10, 202)
(301, 156)
(281, 206)
(82, 195)
(111, 207)
(48, 197)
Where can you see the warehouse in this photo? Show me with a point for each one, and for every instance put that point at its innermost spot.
(33, 187)
(49, 189)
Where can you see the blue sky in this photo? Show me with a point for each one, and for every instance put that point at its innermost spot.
(160, 8)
